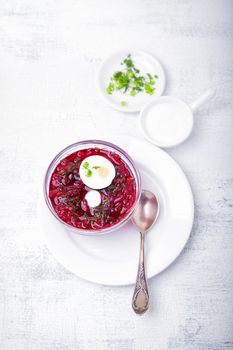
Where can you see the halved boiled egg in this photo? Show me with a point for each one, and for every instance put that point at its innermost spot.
(97, 172)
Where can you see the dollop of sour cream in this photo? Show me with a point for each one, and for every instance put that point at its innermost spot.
(97, 172)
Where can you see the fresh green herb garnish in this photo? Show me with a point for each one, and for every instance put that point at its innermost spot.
(86, 165)
(123, 103)
(89, 172)
(110, 88)
(149, 90)
(129, 80)
(111, 188)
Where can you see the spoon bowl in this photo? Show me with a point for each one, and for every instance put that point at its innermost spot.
(146, 212)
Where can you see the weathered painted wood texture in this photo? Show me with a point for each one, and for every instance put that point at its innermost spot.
(49, 53)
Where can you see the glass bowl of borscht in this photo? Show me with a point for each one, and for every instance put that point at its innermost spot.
(92, 187)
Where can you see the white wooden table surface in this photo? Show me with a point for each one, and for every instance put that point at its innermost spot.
(49, 53)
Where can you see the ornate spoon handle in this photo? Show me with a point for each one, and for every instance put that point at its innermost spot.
(140, 302)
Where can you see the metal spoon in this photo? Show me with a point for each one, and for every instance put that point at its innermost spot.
(144, 216)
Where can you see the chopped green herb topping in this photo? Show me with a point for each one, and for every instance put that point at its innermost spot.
(123, 103)
(129, 80)
(110, 88)
(86, 166)
(88, 173)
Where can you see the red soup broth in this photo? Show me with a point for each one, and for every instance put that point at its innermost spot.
(67, 192)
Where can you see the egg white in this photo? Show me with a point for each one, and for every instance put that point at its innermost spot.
(93, 198)
(95, 181)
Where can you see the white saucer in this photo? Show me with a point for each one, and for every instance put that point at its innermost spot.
(146, 63)
(112, 259)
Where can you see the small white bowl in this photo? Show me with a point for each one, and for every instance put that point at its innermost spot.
(146, 63)
(166, 122)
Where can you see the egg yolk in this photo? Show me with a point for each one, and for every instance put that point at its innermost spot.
(103, 171)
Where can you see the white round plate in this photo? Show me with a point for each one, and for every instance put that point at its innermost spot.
(112, 259)
(142, 60)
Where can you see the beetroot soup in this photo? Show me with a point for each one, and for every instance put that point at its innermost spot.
(92, 189)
